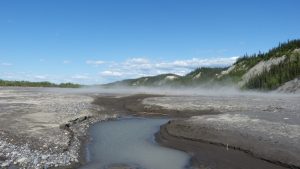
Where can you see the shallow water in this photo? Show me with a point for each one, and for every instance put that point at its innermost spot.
(131, 141)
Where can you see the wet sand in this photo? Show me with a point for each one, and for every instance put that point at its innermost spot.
(133, 105)
(212, 156)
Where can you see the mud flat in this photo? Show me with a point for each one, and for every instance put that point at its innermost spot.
(218, 147)
(223, 131)
(42, 128)
(265, 127)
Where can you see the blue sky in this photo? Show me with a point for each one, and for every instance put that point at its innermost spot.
(99, 41)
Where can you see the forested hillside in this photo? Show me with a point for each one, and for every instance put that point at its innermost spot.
(265, 71)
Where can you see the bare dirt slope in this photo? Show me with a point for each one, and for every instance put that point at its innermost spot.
(292, 86)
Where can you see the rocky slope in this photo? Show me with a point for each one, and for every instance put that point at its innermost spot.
(259, 68)
(41, 128)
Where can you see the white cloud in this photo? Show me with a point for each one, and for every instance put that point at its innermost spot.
(130, 68)
(79, 77)
(136, 67)
(7, 75)
(111, 73)
(40, 77)
(137, 61)
(94, 62)
(196, 62)
(66, 61)
(31, 76)
(5, 64)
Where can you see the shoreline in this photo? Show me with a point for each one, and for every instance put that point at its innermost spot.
(211, 155)
(204, 152)
(135, 107)
(84, 140)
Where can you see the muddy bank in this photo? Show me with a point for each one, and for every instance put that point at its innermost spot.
(229, 150)
(213, 156)
(259, 131)
(134, 105)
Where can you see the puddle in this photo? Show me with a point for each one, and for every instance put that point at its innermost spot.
(131, 142)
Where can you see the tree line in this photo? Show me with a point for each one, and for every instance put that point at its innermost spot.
(277, 75)
(37, 84)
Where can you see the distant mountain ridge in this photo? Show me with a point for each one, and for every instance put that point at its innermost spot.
(266, 71)
(159, 80)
